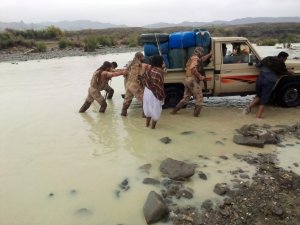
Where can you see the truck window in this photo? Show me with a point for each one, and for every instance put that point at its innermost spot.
(236, 53)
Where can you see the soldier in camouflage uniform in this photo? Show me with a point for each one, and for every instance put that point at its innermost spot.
(98, 83)
(194, 74)
(133, 86)
(108, 89)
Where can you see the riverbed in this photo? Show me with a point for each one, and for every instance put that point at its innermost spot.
(58, 166)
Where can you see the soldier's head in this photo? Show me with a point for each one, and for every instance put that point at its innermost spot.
(114, 65)
(106, 66)
(139, 56)
(199, 51)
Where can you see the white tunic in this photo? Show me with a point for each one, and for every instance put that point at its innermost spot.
(151, 105)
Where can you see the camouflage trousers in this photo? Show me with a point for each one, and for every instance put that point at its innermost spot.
(95, 94)
(133, 89)
(192, 88)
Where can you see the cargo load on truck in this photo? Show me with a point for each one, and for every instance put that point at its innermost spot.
(177, 47)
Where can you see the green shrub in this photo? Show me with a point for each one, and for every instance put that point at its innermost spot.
(90, 44)
(63, 43)
(267, 42)
(41, 47)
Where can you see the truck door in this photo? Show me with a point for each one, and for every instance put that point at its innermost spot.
(237, 74)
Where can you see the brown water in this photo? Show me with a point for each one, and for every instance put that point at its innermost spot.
(47, 147)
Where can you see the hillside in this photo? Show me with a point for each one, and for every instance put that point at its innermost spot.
(86, 24)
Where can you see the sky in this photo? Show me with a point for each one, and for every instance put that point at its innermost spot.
(143, 12)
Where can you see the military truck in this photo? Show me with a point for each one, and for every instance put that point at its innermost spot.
(231, 71)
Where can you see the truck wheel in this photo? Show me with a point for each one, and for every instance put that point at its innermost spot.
(289, 95)
(173, 96)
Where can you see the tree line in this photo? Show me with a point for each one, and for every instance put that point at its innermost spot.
(89, 40)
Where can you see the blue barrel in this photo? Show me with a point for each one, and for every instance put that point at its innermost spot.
(203, 38)
(182, 39)
(151, 49)
(177, 58)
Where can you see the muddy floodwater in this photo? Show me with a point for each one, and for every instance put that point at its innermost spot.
(58, 166)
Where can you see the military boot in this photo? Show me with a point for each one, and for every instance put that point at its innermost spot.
(110, 94)
(197, 110)
(178, 107)
(85, 106)
(103, 106)
(124, 109)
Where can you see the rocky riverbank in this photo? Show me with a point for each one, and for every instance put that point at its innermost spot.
(17, 55)
(270, 197)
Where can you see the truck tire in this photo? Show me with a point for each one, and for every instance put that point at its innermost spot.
(173, 96)
(288, 95)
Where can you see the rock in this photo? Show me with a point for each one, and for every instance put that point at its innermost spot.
(145, 168)
(207, 205)
(296, 164)
(187, 132)
(154, 208)
(244, 176)
(83, 212)
(219, 142)
(165, 140)
(151, 181)
(185, 194)
(202, 175)
(177, 170)
(277, 211)
(220, 188)
(296, 183)
(73, 192)
(223, 157)
(250, 141)
(50, 195)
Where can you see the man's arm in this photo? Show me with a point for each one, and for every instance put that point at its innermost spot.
(114, 74)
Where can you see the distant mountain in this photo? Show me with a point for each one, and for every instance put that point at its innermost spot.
(247, 20)
(64, 25)
(86, 24)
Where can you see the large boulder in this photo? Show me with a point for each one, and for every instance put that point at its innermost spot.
(177, 170)
(154, 208)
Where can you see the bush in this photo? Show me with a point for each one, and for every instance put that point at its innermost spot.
(41, 47)
(63, 43)
(267, 42)
(90, 44)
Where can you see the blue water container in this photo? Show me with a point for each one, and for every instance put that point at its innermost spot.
(177, 58)
(151, 49)
(182, 39)
(203, 38)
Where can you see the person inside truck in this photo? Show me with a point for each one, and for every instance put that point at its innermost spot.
(239, 53)
(271, 68)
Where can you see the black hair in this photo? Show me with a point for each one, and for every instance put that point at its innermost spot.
(106, 65)
(157, 61)
(114, 64)
(283, 55)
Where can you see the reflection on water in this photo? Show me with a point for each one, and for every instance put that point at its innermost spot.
(61, 167)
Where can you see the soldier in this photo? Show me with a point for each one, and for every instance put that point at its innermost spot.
(99, 81)
(194, 74)
(108, 89)
(133, 86)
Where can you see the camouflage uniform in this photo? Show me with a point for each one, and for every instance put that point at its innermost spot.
(98, 83)
(133, 86)
(194, 74)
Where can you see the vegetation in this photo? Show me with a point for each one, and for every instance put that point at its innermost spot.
(89, 40)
